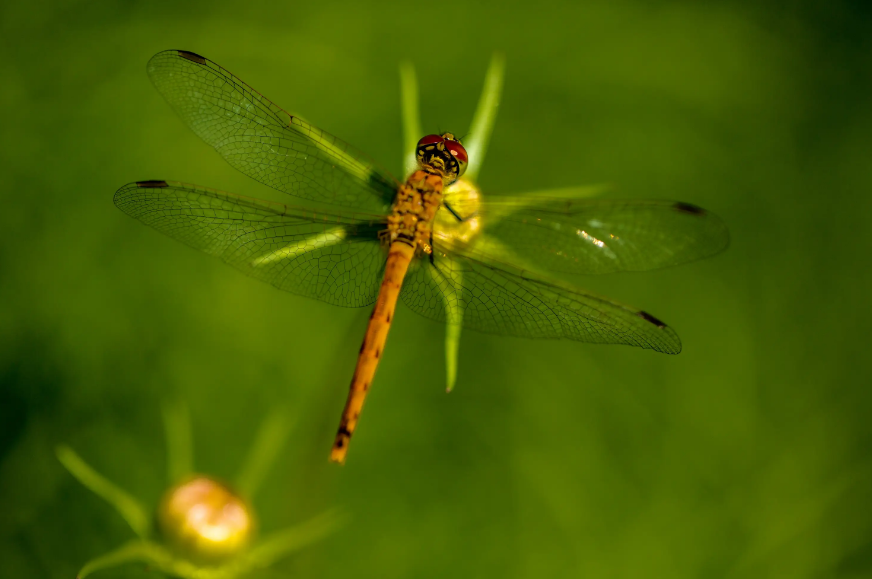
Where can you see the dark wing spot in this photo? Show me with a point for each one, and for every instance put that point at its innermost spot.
(688, 208)
(151, 184)
(192, 56)
(377, 353)
(388, 318)
(340, 442)
(343, 431)
(649, 318)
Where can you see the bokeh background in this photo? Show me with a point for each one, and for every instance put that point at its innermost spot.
(748, 455)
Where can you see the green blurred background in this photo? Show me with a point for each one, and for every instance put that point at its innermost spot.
(745, 456)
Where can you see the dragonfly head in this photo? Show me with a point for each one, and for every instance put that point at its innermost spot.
(443, 154)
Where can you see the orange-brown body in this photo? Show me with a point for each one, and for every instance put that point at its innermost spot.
(409, 228)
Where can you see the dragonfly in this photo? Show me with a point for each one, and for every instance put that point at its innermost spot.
(500, 265)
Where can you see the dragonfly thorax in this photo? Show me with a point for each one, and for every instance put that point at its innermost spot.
(413, 211)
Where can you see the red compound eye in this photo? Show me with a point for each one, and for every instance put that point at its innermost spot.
(457, 150)
(430, 139)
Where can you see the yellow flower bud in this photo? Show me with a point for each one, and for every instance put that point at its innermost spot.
(205, 519)
(462, 226)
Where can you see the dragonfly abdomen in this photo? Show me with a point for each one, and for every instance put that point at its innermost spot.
(399, 257)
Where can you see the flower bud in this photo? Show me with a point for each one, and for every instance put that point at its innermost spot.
(204, 519)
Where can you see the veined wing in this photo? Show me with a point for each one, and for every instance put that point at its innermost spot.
(499, 299)
(334, 258)
(265, 142)
(587, 236)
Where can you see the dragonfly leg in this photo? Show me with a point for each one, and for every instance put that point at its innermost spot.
(457, 216)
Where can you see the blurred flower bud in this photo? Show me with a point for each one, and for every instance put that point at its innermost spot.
(204, 519)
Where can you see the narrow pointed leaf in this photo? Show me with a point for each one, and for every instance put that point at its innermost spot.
(485, 115)
(128, 507)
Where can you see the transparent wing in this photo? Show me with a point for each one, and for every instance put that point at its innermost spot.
(587, 236)
(265, 142)
(497, 299)
(334, 258)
